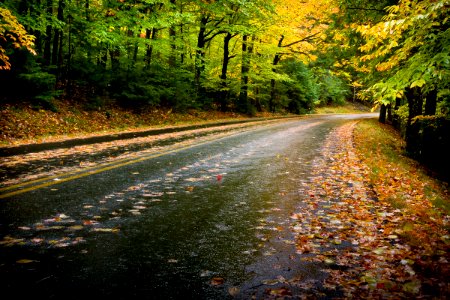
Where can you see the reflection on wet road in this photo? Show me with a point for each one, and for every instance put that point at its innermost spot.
(210, 221)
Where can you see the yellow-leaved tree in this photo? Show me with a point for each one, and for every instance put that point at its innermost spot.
(297, 30)
(12, 35)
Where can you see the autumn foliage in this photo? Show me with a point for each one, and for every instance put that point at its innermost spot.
(12, 35)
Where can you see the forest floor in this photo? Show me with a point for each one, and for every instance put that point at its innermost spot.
(376, 218)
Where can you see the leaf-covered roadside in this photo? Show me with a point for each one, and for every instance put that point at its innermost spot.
(371, 244)
(23, 124)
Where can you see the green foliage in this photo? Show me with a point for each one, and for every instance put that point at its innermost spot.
(36, 84)
(91, 78)
(40, 88)
(153, 88)
(332, 89)
(443, 107)
(408, 56)
(181, 96)
(410, 48)
(299, 92)
(401, 114)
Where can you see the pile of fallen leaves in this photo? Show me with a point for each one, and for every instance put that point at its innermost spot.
(370, 248)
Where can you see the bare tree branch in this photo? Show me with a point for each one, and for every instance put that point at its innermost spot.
(308, 38)
(366, 8)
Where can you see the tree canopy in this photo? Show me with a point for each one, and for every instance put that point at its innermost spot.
(181, 54)
(401, 63)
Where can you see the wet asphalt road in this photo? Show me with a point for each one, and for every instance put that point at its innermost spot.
(210, 221)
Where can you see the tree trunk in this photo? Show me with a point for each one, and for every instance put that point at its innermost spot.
(415, 102)
(244, 105)
(183, 48)
(431, 103)
(88, 20)
(382, 116)
(56, 55)
(200, 55)
(275, 62)
(69, 59)
(148, 52)
(48, 35)
(172, 37)
(150, 34)
(429, 154)
(173, 47)
(61, 71)
(223, 77)
(389, 113)
(395, 118)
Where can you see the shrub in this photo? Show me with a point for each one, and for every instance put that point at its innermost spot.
(332, 89)
(300, 92)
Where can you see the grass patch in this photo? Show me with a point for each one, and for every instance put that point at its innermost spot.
(402, 183)
(396, 176)
(397, 201)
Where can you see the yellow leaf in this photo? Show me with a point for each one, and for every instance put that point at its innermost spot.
(418, 83)
(25, 261)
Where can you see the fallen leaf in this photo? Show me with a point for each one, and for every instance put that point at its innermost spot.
(412, 287)
(279, 292)
(217, 281)
(75, 227)
(114, 230)
(233, 291)
(270, 281)
(25, 261)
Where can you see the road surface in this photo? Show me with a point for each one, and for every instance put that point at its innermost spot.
(204, 220)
